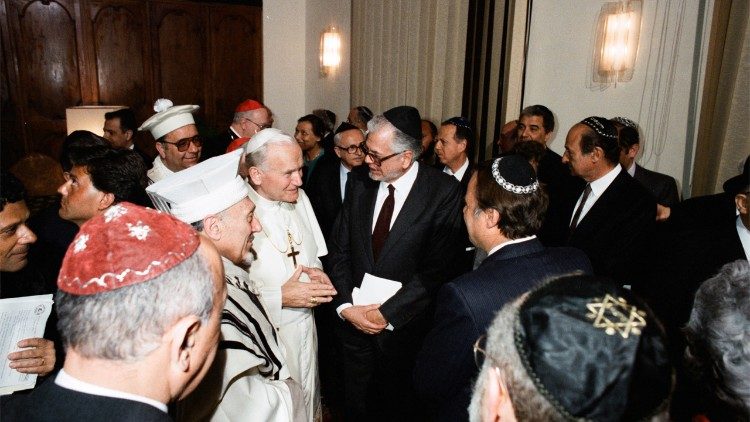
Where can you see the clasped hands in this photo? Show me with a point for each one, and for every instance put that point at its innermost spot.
(365, 318)
(297, 294)
(38, 358)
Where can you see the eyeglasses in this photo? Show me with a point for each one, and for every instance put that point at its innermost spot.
(480, 352)
(375, 159)
(261, 126)
(351, 149)
(184, 143)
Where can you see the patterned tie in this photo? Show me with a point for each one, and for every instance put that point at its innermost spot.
(383, 224)
(574, 222)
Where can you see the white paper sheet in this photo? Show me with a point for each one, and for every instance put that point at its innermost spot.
(20, 318)
(374, 290)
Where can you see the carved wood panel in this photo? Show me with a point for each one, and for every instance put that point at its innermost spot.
(62, 53)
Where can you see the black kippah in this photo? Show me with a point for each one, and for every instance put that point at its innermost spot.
(594, 350)
(344, 126)
(406, 119)
(601, 126)
(514, 174)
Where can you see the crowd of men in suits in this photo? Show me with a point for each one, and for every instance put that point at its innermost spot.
(532, 285)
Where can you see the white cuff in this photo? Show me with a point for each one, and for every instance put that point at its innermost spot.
(342, 307)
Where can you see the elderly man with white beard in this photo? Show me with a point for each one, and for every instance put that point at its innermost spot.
(249, 380)
(290, 237)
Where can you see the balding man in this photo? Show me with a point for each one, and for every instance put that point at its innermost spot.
(250, 117)
(139, 303)
(177, 140)
(613, 217)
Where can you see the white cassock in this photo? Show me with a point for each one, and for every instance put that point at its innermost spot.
(248, 380)
(290, 229)
(158, 171)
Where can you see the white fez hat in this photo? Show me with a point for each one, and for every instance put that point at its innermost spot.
(263, 137)
(168, 117)
(201, 190)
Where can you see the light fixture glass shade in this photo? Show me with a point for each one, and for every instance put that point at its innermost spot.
(330, 50)
(89, 118)
(617, 35)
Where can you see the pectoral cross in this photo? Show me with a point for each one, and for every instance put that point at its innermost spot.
(293, 254)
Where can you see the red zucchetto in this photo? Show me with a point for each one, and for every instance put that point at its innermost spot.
(125, 245)
(248, 105)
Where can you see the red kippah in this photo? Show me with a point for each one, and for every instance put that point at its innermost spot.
(237, 144)
(125, 245)
(248, 105)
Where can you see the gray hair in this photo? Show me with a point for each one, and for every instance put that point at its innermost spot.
(528, 403)
(718, 335)
(401, 141)
(259, 157)
(250, 115)
(127, 324)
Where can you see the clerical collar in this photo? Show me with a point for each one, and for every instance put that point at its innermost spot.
(65, 380)
(235, 132)
(262, 202)
(510, 242)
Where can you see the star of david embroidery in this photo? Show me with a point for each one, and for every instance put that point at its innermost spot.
(139, 231)
(113, 212)
(80, 243)
(616, 316)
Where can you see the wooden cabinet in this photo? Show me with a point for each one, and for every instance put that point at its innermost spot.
(62, 53)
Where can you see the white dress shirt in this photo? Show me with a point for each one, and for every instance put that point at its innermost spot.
(343, 174)
(598, 187)
(402, 187)
(510, 242)
(744, 235)
(67, 381)
(459, 174)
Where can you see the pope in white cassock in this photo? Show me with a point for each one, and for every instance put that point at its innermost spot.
(249, 380)
(290, 237)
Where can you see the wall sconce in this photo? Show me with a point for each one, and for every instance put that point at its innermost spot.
(330, 51)
(89, 118)
(617, 35)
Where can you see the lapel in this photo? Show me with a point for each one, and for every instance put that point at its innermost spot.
(413, 207)
(368, 196)
(603, 208)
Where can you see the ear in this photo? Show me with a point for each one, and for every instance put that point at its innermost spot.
(633, 151)
(408, 159)
(337, 152)
(547, 136)
(597, 154)
(129, 134)
(491, 218)
(106, 200)
(463, 144)
(741, 201)
(212, 227)
(181, 340)
(160, 150)
(256, 175)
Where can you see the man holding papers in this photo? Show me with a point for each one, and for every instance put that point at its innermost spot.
(401, 224)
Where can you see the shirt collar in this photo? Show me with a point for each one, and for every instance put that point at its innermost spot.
(343, 171)
(67, 381)
(601, 184)
(459, 174)
(235, 132)
(510, 242)
(631, 169)
(405, 182)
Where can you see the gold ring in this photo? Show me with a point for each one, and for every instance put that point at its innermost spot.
(313, 300)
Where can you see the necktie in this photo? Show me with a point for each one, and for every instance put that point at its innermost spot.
(577, 215)
(347, 185)
(383, 224)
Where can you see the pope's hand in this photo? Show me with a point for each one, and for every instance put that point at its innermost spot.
(296, 294)
(317, 275)
(357, 315)
(38, 358)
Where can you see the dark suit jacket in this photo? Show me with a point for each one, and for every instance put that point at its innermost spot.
(663, 187)
(420, 251)
(217, 145)
(324, 191)
(50, 402)
(467, 306)
(615, 233)
(466, 263)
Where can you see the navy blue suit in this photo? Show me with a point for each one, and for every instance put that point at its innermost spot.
(466, 306)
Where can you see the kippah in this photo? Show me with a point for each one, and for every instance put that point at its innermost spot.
(514, 174)
(406, 119)
(594, 350)
(344, 126)
(601, 126)
(248, 105)
(625, 122)
(125, 245)
(263, 137)
(459, 121)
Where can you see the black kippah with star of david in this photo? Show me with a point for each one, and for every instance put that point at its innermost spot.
(594, 350)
